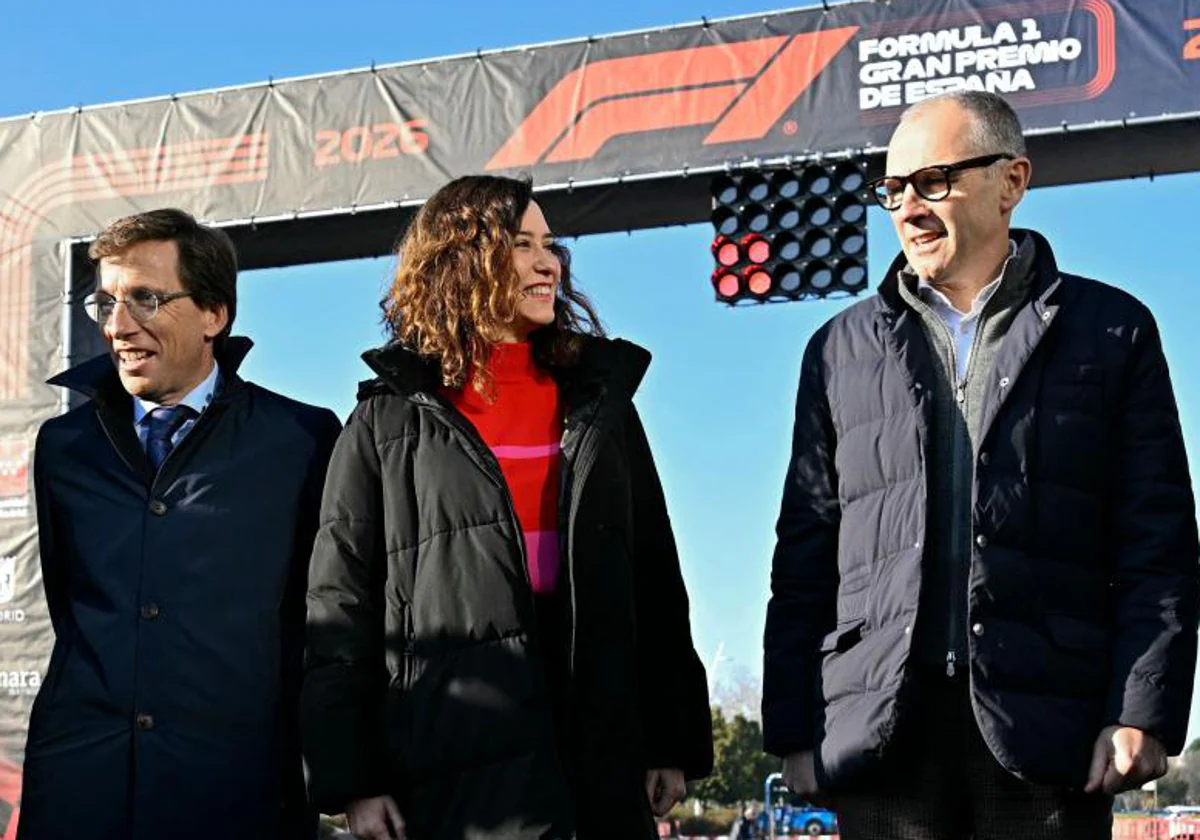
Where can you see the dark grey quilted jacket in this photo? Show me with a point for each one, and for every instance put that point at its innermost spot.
(1082, 595)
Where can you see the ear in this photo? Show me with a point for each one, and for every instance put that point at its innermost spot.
(215, 319)
(1014, 183)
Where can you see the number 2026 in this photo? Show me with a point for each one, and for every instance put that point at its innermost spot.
(370, 142)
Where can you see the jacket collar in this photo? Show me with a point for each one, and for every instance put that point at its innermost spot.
(97, 378)
(613, 365)
(1044, 282)
(606, 364)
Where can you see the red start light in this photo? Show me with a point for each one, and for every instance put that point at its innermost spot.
(727, 284)
(757, 248)
(792, 233)
(759, 282)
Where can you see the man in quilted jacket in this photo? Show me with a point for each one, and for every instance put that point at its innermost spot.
(984, 591)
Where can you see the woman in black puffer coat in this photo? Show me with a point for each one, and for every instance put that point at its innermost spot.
(450, 691)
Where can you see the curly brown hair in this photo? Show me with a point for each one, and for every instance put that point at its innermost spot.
(456, 287)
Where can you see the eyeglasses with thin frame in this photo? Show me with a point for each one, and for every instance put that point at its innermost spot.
(930, 182)
(142, 304)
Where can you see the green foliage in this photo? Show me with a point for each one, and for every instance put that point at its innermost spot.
(1181, 785)
(713, 822)
(1172, 788)
(740, 765)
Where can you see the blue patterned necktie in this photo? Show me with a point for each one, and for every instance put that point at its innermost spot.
(162, 423)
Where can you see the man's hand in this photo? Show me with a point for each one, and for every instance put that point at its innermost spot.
(664, 787)
(1123, 759)
(376, 818)
(800, 775)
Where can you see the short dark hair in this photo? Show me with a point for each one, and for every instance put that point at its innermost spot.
(207, 258)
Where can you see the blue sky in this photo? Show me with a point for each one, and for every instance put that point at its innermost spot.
(719, 396)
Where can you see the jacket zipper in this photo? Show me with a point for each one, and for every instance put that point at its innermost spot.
(960, 399)
(573, 480)
(491, 468)
(570, 491)
(956, 512)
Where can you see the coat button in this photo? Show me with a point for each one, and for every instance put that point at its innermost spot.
(977, 629)
(158, 507)
(985, 458)
(981, 541)
(144, 722)
(1004, 380)
(150, 611)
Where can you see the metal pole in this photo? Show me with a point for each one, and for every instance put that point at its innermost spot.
(767, 799)
(66, 328)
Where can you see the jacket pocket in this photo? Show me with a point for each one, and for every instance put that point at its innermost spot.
(842, 666)
(846, 636)
(408, 650)
(398, 712)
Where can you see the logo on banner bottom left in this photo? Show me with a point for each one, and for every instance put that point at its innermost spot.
(14, 478)
(8, 590)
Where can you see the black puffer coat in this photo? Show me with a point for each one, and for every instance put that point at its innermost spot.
(425, 676)
(1082, 600)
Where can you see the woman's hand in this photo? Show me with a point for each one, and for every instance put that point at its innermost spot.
(376, 818)
(664, 787)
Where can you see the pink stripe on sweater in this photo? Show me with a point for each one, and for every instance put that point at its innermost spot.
(521, 453)
(542, 548)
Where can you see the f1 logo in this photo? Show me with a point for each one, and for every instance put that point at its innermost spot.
(743, 87)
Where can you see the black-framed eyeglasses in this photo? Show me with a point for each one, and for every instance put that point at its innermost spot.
(930, 182)
(142, 304)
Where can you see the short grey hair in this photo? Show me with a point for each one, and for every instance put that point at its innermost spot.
(996, 125)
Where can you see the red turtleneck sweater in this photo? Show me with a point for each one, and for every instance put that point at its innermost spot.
(523, 428)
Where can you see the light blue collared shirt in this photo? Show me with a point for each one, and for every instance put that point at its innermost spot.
(962, 325)
(197, 399)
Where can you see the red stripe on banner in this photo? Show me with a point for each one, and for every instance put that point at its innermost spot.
(1106, 26)
(104, 165)
(657, 73)
(138, 182)
(119, 174)
(32, 185)
(786, 77)
(1106, 63)
(614, 117)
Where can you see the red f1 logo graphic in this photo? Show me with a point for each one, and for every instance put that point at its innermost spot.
(743, 87)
